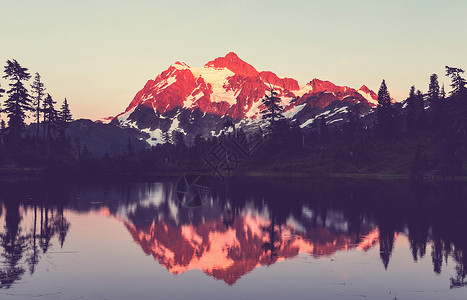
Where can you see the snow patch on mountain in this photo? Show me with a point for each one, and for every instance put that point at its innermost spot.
(304, 90)
(155, 136)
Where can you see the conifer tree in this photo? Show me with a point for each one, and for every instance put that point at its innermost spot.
(433, 90)
(37, 90)
(411, 110)
(420, 109)
(18, 102)
(50, 115)
(1, 95)
(2, 131)
(437, 102)
(385, 111)
(64, 116)
(458, 82)
(272, 109)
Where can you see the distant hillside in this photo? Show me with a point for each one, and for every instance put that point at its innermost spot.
(100, 138)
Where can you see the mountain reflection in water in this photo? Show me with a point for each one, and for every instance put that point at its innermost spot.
(246, 224)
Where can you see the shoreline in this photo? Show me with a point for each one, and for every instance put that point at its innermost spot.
(43, 173)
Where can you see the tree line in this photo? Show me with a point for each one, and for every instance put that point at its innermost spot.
(20, 103)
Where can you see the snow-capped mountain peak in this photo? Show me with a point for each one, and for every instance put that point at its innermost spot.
(227, 87)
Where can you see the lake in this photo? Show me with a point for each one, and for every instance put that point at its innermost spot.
(247, 238)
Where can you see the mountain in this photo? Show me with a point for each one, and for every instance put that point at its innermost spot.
(229, 252)
(103, 138)
(198, 100)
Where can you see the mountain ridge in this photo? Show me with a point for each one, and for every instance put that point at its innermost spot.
(228, 87)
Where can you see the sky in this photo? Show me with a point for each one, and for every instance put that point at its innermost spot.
(100, 53)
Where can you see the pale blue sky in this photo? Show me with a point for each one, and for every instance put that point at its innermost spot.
(98, 54)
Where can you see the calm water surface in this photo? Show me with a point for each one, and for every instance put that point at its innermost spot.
(253, 239)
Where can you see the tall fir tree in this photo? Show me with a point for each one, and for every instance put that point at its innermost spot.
(433, 90)
(64, 117)
(1, 95)
(272, 111)
(420, 110)
(50, 115)
(411, 110)
(458, 82)
(385, 111)
(38, 92)
(65, 113)
(2, 132)
(19, 101)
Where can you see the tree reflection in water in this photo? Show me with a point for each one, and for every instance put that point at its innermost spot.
(249, 224)
(17, 240)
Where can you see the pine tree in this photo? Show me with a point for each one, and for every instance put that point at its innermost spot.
(64, 117)
(1, 95)
(439, 109)
(65, 113)
(420, 110)
(18, 102)
(385, 111)
(2, 131)
(37, 90)
(50, 115)
(433, 90)
(411, 110)
(458, 82)
(272, 109)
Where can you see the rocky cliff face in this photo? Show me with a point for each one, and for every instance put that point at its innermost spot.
(198, 99)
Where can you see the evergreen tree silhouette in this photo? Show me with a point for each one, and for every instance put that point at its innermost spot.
(19, 101)
(65, 113)
(433, 89)
(411, 110)
(385, 111)
(272, 110)
(458, 82)
(37, 91)
(2, 132)
(64, 117)
(420, 110)
(50, 115)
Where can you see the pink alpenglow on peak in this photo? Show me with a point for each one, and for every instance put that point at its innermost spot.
(198, 100)
(232, 62)
(228, 86)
